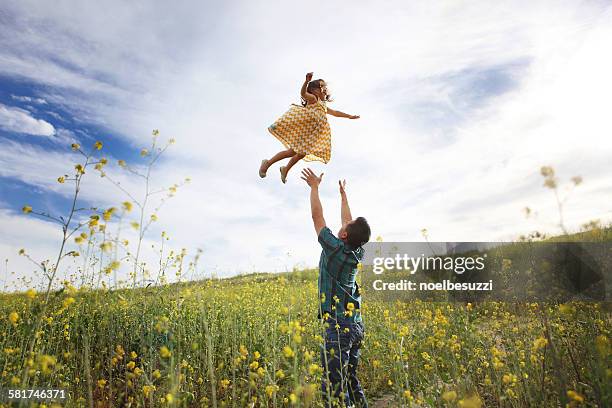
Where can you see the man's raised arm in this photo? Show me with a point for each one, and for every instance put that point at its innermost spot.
(345, 211)
(315, 203)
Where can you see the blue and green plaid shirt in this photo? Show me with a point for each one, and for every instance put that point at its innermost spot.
(339, 295)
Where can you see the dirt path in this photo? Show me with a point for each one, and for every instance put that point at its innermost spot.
(386, 401)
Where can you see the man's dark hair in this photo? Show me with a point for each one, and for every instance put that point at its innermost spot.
(358, 232)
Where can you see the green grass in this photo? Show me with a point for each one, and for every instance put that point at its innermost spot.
(256, 339)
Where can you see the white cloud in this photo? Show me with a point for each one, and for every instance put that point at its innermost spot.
(21, 121)
(41, 239)
(65, 137)
(216, 78)
(41, 167)
(29, 99)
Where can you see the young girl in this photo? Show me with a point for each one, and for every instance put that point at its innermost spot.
(304, 130)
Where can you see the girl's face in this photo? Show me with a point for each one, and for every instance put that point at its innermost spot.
(323, 89)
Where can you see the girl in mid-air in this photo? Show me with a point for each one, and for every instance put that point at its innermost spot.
(304, 130)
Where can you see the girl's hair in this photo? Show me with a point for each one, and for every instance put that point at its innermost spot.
(312, 85)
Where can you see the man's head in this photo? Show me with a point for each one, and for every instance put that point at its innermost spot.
(356, 232)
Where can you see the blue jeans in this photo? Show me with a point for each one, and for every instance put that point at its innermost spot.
(342, 363)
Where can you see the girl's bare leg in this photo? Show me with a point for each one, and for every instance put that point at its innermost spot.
(285, 169)
(284, 154)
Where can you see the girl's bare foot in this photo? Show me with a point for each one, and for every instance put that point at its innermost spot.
(262, 172)
(283, 174)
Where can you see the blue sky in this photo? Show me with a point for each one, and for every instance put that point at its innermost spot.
(460, 104)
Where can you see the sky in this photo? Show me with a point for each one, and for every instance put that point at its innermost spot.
(461, 103)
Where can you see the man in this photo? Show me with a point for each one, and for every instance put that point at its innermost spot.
(339, 297)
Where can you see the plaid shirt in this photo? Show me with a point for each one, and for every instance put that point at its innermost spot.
(337, 272)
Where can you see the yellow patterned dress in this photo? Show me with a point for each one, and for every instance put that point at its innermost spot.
(305, 130)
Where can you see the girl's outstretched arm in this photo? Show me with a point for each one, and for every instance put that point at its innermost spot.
(308, 97)
(341, 114)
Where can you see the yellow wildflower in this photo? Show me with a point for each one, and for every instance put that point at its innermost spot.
(148, 389)
(314, 369)
(68, 301)
(14, 317)
(271, 389)
(164, 352)
(575, 396)
(46, 363)
(449, 396)
(472, 401)
(539, 343)
(79, 168)
(108, 214)
(288, 352)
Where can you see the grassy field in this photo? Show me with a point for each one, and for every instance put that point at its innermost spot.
(254, 341)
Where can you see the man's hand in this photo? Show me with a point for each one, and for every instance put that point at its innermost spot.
(342, 185)
(345, 211)
(309, 77)
(310, 178)
(315, 203)
(354, 117)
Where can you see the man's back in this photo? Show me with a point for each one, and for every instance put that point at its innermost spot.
(338, 266)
